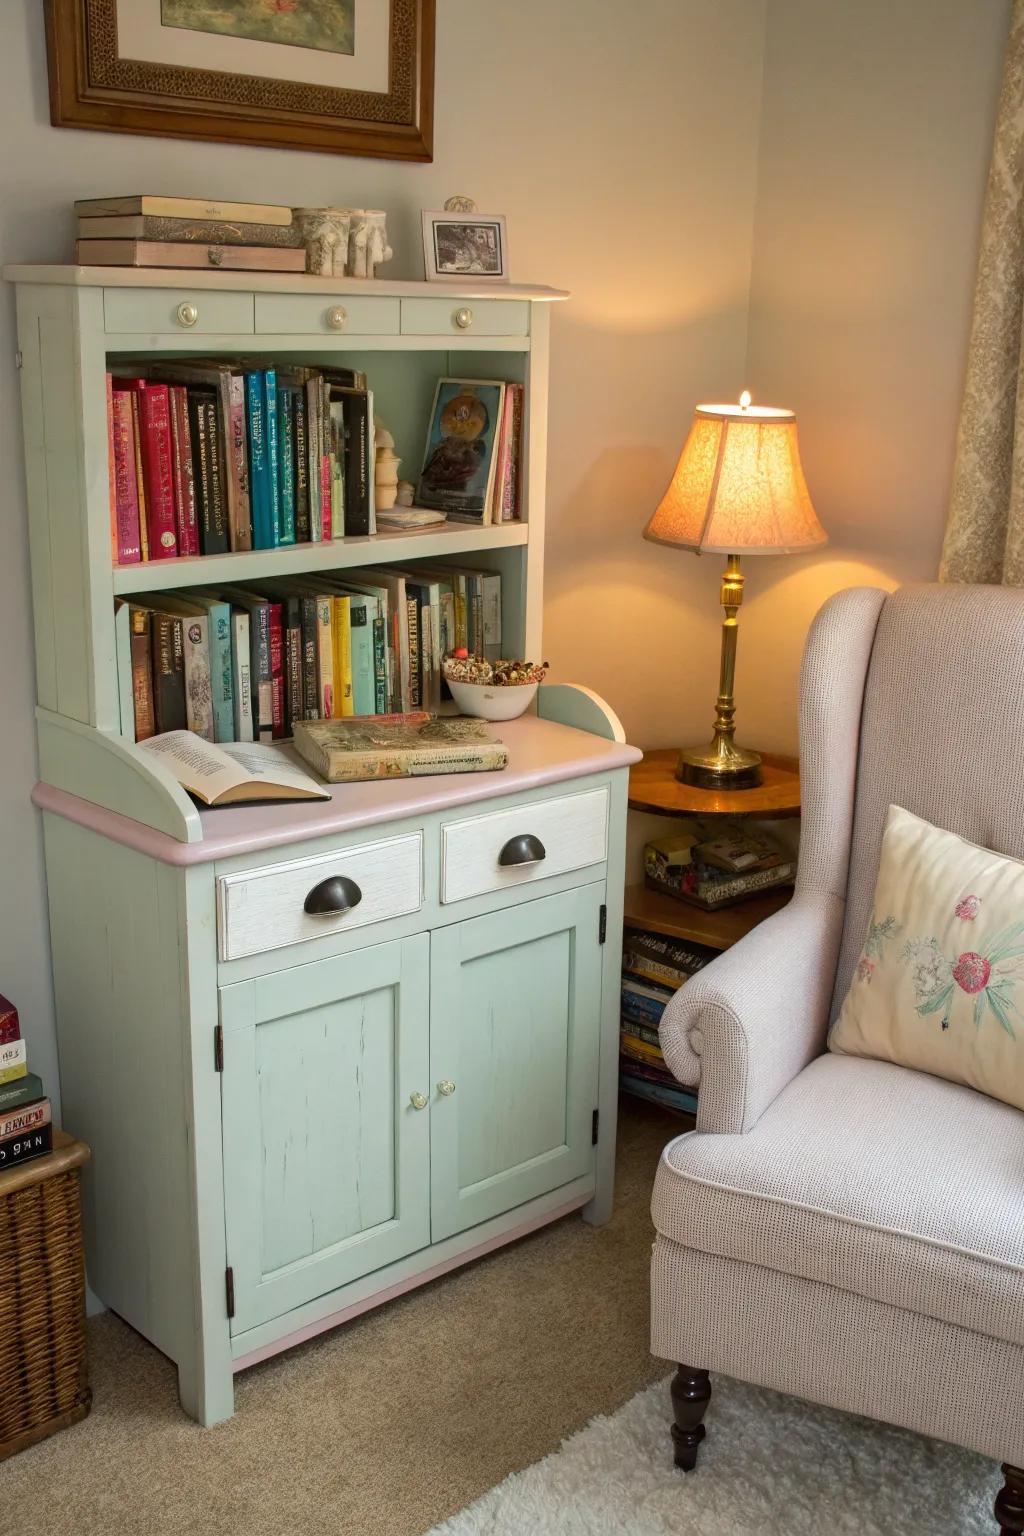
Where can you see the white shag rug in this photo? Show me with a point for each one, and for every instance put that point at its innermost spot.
(770, 1466)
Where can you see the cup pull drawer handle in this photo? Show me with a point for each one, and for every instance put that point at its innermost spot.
(524, 849)
(336, 894)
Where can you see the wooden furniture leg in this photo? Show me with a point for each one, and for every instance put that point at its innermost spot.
(1010, 1502)
(691, 1393)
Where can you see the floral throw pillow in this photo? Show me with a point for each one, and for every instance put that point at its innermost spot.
(939, 985)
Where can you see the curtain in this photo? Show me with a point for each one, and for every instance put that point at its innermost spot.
(985, 533)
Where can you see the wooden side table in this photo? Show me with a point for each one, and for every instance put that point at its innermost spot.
(44, 1383)
(654, 788)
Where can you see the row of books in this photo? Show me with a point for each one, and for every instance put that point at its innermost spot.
(187, 232)
(242, 663)
(715, 865)
(26, 1116)
(211, 457)
(653, 969)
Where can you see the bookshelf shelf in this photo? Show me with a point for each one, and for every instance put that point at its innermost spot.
(718, 930)
(382, 548)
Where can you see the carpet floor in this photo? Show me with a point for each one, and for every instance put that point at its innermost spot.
(385, 1427)
(770, 1466)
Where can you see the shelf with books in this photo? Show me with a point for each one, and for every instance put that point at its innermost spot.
(437, 543)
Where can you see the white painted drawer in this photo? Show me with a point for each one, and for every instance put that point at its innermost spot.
(573, 832)
(261, 909)
(287, 314)
(197, 312)
(465, 317)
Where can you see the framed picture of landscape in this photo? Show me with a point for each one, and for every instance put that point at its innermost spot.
(342, 76)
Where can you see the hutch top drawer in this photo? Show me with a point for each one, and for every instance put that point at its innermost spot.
(321, 314)
(465, 317)
(196, 311)
(525, 843)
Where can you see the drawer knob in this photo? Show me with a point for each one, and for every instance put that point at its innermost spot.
(463, 319)
(188, 314)
(336, 318)
(446, 1087)
(418, 1100)
(524, 849)
(336, 894)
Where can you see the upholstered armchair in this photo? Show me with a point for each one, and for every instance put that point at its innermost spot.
(841, 1229)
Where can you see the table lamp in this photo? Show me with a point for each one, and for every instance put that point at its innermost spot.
(738, 489)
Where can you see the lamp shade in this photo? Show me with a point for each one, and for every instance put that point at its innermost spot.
(738, 488)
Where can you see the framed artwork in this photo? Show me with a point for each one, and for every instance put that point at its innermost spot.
(461, 245)
(351, 77)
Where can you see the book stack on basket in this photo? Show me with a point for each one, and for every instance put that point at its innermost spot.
(653, 969)
(187, 232)
(715, 865)
(26, 1128)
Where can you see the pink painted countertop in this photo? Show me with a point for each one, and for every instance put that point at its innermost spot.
(540, 752)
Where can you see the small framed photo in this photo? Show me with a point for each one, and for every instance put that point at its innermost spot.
(461, 245)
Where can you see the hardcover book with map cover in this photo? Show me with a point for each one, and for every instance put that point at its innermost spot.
(344, 751)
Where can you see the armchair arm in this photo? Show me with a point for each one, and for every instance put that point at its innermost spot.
(758, 1013)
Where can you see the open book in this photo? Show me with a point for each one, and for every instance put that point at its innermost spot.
(232, 772)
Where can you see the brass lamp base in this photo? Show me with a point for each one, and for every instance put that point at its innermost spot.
(723, 765)
(720, 766)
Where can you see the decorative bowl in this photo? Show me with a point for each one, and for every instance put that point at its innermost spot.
(490, 701)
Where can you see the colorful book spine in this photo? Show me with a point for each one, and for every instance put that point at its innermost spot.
(273, 450)
(195, 633)
(291, 620)
(10, 1025)
(310, 655)
(313, 441)
(640, 1032)
(19, 1122)
(277, 671)
(221, 668)
(142, 673)
(677, 1098)
(301, 463)
(168, 673)
(186, 517)
(211, 506)
(128, 548)
(241, 675)
(13, 1061)
(342, 634)
(25, 1090)
(286, 462)
(327, 683)
(157, 464)
(236, 448)
(259, 472)
(21, 1149)
(364, 700)
(140, 479)
(511, 487)
(111, 481)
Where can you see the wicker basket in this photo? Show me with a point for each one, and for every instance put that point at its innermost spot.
(43, 1373)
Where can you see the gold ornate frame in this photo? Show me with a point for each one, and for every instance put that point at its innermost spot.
(91, 86)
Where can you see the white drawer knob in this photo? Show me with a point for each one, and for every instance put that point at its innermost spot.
(446, 1087)
(463, 319)
(418, 1100)
(188, 314)
(336, 318)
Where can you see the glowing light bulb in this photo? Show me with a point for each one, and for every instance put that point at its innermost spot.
(745, 400)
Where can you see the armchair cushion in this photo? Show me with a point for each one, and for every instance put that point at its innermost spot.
(887, 1183)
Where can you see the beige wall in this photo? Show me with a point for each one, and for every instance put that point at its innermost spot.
(876, 133)
(587, 124)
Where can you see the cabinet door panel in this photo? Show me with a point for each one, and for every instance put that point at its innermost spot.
(515, 1024)
(325, 1160)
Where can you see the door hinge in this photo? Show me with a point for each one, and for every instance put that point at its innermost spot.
(594, 1123)
(18, 360)
(218, 1047)
(229, 1290)
(602, 924)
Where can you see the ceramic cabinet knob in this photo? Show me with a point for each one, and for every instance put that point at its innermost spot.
(463, 319)
(188, 314)
(336, 318)
(446, 1087)
(418, 1100)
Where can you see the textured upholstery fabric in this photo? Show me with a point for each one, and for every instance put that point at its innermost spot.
(838, 1228)
(757, 1014)
(832, 1346)
(872, 1178)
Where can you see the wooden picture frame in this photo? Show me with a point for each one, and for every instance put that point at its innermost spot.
(93, 86)
(486, 229)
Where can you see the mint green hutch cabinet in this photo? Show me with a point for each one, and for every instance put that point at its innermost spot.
(294, 1118)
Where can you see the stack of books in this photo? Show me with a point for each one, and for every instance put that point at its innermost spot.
(242, 663)
(26, 1128)
(207, 458)
(714, 866)
(187, 232)
(653, 969)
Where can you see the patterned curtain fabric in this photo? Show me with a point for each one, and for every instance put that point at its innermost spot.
(985, 533)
